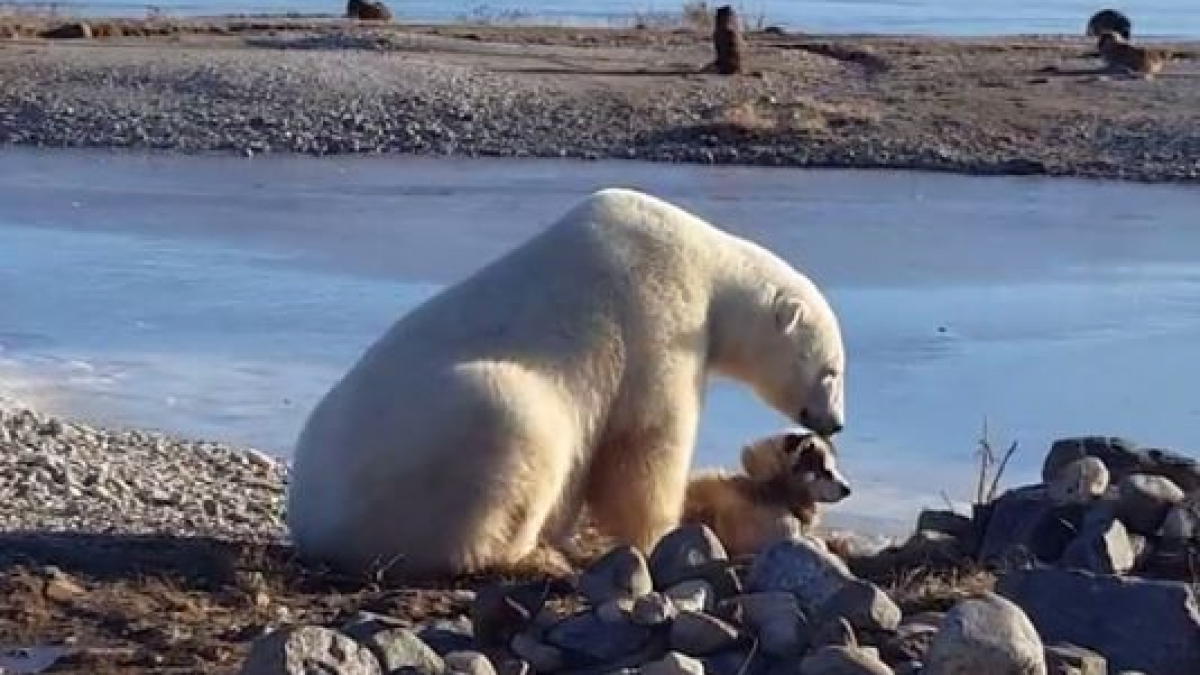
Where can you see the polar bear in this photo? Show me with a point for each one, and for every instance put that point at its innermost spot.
(569, 372)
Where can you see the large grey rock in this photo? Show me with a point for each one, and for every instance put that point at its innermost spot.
(986, 636)
(1024, 523)
(683, 554)
(843, 661)
(776, 620)
(1068, 659)
(303, 650)
(1136, 624)
(1103, 546)
(735, 662)
(622, 573)
(396, 648)
(673, 663)
(700, 634)
(802, 567)
(863, 604)
(1123, 458)
(1144, 501)
(1119, 455)
(586, 635)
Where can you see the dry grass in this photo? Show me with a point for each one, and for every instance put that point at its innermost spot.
(769, 115)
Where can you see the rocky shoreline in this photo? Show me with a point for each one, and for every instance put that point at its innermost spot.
(1030, 105)
(131, 551)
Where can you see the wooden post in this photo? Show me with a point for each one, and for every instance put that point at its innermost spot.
(728, 42)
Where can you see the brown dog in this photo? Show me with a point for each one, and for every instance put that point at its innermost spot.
(786, 476)
(1121, 56)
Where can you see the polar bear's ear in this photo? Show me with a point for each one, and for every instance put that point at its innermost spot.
(789, 311)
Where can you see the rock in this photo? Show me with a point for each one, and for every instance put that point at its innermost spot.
(654, 609)
(1183, 470)
(60, 587)
(68, 31)
(1067, 659)
(500, 611)
(864, 605)
(694, 595)
(801, 567)
(776, 620)
(620, 573)
(1103, 547)
(444, 636)
(468, 663)
(835, 633)
(368, 10)
(735, 662)
(514, 667)
(910, 641)
(673, 663)
(1182, 522)
(1145, 500)
(1136, 624)
(1024, 522)
(843, 661)
(301, 650)
(1123, 458)
(943, 522)
(1080, 482)
(616, 611)
(681, 553)
(986, 636)
(699, 634)
(541, 657)
(1120, 455)
(395, 648)
(586, 635)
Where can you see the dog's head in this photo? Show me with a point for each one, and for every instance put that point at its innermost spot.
(799, 460)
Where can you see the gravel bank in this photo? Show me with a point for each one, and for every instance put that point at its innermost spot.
(1028, 106)
(59, 476)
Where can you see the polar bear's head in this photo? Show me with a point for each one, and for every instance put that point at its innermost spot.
(799, 362)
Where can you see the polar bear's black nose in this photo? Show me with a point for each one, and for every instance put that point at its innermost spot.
(826, 429)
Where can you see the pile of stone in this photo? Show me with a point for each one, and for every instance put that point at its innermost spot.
(795, 609)
(1066, 601)
(1104, 552)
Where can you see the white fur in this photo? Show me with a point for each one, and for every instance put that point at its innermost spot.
(572, 370)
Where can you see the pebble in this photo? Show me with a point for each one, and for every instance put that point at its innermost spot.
(301, 650)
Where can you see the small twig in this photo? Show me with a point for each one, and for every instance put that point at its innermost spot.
(1012, 449)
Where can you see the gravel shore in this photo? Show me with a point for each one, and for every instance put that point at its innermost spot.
(1010, 106)
(58, 476)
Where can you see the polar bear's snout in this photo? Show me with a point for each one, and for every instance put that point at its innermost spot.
(824, 424)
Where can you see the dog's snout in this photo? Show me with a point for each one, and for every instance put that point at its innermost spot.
(845, 491)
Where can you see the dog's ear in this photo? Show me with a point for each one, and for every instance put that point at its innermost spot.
(765, 460)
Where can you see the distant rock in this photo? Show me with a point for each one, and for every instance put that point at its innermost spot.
(68, 31)
(1137, 624)
(1024, 522)
(1103, 546)
(986, 636)
(368, 10)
